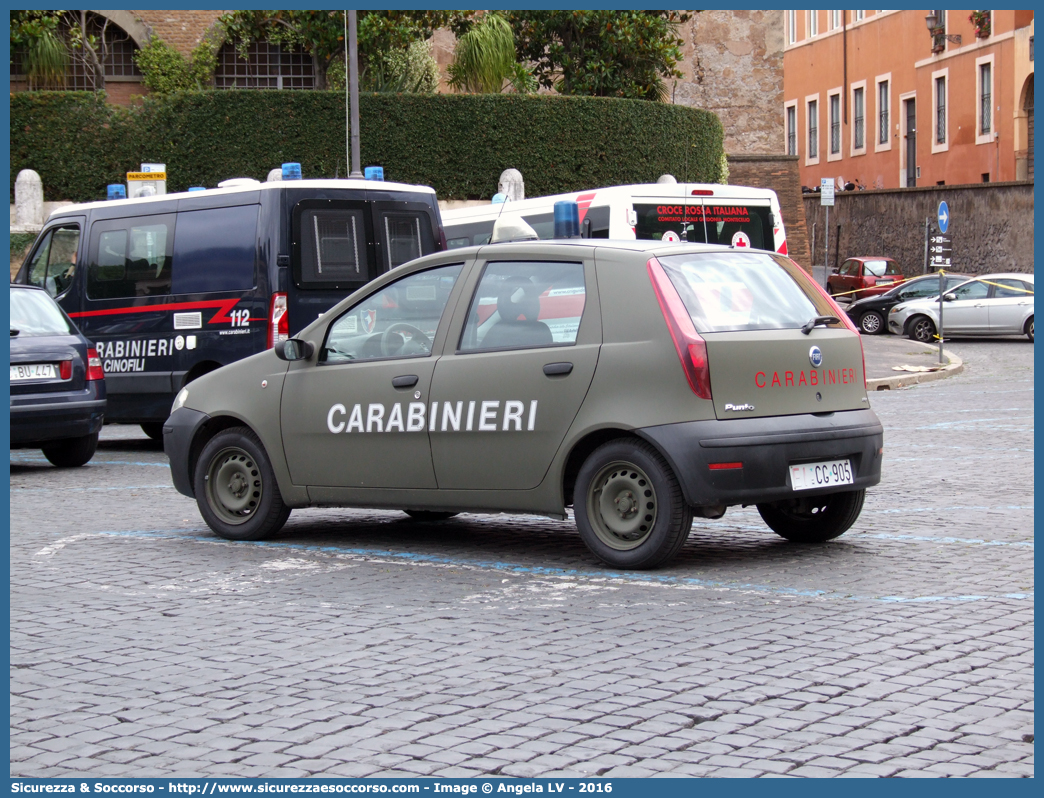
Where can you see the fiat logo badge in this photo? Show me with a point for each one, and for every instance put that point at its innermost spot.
(815, 357)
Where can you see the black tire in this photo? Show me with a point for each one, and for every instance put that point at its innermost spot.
(1029, 328)
(154, 429)
(428, 515)
(871, 323)
(236, 489)
(921, 329)
(814, 519)
(613, 484)
(71, 452)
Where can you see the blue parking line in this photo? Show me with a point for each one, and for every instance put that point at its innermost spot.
(94, 461)
(525, 570)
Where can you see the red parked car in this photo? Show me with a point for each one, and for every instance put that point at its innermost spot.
(864, 276)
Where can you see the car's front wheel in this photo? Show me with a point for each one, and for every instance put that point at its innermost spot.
(871, 322)
(236, 489)
(629, 506)
(813, 519)
(922, 329)
(71, 452)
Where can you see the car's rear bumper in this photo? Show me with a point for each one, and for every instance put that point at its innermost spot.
(179, 430)
(766, 447)
(43, 417)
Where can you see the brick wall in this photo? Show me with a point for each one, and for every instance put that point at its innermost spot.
(779, 173)
(733, 66)
(182, 30)
(991, 225)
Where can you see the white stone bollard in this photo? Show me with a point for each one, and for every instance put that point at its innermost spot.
(275, 175)
(511, 185)
(666, 179)
(29, 210)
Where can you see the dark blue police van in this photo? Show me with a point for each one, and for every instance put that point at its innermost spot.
(173, 286)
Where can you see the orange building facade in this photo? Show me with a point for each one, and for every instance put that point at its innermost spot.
(879, 99)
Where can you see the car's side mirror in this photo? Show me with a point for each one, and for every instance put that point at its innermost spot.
(835, 271)
(294, 349)
(949, 297)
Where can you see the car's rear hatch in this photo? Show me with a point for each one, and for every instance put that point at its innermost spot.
(770, 348)
(772, 372)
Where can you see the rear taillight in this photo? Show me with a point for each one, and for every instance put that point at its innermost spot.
(278, 322)
(65, 369)
(691, 348)
(702, 192)
(94, 365)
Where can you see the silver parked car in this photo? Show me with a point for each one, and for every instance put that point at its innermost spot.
(994, 304)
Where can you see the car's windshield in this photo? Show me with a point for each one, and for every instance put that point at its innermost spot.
(35, 313)
(744, 291)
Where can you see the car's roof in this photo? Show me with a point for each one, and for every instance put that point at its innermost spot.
(870, 257)
(30, 287)
(1005, 275)
(253, 185)
(641, 245)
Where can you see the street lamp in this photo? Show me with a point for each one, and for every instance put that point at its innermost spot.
(937, 32)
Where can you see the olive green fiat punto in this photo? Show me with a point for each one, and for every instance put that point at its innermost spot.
(642, 384)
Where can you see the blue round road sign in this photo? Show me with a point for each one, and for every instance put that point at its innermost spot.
(944, 217)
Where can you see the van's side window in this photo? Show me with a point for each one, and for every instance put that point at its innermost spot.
(215, 250)
(54, 262)
(131, 258)
(333, 247)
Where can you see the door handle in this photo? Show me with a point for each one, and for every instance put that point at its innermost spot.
(405, 381)
(555, 369)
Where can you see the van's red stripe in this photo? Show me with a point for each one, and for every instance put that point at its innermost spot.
(223, 306)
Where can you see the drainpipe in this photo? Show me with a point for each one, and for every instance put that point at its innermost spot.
(844, 45)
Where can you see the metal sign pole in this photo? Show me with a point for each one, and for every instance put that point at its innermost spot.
(942, 287)
(353, 88)
(826, 239)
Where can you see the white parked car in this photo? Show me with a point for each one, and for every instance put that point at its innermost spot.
(994, 304)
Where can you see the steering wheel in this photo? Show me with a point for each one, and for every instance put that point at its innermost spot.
(388, 348)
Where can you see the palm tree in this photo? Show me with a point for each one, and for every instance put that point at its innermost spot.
(484, 59)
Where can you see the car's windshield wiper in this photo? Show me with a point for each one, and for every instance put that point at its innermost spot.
(815, 321)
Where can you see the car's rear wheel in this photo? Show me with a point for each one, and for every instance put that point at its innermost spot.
(871, 322)
(814, 519)
(71, 452)
(154, 429)
(1029, 328)
(922, 329)
(428, 515)
(236, 489)
(629, 506)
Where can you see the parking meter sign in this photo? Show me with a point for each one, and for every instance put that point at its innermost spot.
(826, 191)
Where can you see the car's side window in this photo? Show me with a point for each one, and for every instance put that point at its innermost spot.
(1006, 289)
(522, 305)
(973, 290)
(399, 320)
(54, 262)
(848, 267)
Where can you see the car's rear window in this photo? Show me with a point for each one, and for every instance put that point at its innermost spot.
(35, 313)
(879, 268)
(744, 291)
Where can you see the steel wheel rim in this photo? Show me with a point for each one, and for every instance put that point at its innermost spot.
(622, 506)
(234, 485)
(923, 331)
(871, 323)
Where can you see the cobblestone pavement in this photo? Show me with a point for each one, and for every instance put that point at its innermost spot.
(361, 643)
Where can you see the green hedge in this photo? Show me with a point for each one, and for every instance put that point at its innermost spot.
(459, 144)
